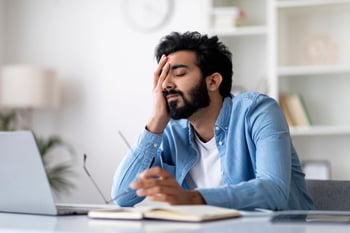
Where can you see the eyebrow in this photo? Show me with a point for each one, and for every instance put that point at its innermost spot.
(174, 67)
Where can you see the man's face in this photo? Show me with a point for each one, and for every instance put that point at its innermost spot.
(184, 88)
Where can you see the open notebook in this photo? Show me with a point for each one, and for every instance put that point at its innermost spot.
(23, 181)
(185, 213)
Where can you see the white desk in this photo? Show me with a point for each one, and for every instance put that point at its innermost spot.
(13, 223)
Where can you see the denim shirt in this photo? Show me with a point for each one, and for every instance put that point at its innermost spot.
(260, 167)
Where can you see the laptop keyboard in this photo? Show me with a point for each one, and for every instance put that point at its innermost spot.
(76, 209)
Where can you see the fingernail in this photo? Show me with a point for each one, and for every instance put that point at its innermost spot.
(140, 192)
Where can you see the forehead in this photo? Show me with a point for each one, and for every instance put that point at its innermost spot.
(183, 57)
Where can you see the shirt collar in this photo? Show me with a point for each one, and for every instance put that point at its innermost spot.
(223, 120)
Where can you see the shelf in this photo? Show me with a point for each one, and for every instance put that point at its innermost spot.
(297, 46)
(312, 70)
(305, 3)
(320, 130)
(241, 31)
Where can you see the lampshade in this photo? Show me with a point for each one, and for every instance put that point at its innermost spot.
(26, 86)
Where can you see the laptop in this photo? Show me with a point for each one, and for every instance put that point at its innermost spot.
(23, 182)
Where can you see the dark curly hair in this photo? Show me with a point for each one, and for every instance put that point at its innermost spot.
(212, 55)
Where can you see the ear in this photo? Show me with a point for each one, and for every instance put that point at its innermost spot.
(213, 81)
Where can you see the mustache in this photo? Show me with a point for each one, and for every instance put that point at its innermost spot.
(171, 92)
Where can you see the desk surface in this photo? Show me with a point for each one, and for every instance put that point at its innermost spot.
(13, 223)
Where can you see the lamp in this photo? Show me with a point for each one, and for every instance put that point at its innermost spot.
(28, 87)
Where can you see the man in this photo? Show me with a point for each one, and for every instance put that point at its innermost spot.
(202, 145)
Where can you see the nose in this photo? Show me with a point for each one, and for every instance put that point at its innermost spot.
(168, 83)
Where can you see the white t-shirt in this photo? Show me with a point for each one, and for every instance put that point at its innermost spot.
(206, 173)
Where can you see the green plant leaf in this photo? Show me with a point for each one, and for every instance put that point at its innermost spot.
(7, 121)
(59, 174)
(46, 145)
(58, 177)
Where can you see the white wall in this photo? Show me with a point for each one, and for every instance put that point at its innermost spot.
(106, 68)
(1, 28)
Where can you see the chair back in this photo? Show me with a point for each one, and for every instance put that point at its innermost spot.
(330, 194)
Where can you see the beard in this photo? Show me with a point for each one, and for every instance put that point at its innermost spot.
(199, 98)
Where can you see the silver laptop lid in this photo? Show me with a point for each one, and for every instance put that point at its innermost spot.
(23, 182)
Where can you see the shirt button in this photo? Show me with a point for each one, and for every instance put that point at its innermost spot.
(220, 143)
(155, 145)
(217, 128)
(222, 173)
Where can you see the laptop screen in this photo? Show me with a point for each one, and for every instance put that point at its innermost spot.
(23, 181)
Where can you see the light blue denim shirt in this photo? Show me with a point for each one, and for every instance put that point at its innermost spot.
(260, 167)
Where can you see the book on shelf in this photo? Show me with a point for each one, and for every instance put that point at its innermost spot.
(295, 110)
(186, 213)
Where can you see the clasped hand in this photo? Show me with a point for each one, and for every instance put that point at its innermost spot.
(156, 184)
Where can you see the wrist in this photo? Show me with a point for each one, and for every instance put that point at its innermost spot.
(156, 126)
(195, 197)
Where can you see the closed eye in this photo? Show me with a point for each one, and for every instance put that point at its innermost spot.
(180, 74)
(179, 70)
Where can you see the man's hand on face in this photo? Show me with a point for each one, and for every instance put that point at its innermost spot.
(156, 184)
(160, 116)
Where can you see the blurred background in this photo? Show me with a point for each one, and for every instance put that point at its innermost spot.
(101, 55)
(105, 66)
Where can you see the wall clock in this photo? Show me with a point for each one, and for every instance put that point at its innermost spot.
(148, 15)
